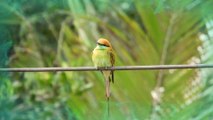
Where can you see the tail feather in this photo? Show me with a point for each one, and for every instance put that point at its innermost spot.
(107, 78)
(107, 89)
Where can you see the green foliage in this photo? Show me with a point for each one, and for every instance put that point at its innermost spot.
(5, 84)
(64, 33)
(205, 110)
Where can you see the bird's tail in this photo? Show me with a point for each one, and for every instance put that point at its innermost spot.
(107, 82)
(107, 88)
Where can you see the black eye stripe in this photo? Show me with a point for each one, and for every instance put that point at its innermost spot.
(102, 44)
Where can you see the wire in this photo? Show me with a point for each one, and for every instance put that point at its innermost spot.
(150, 67)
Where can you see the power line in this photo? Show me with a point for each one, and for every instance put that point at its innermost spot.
(148, 67)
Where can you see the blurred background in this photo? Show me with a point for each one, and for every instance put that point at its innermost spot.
(63, 33)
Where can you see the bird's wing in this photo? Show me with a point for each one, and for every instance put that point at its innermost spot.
(112, 57)
(112, 60)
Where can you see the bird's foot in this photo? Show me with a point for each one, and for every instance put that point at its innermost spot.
(102, 68)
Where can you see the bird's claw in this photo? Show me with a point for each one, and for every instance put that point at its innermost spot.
(102, 68)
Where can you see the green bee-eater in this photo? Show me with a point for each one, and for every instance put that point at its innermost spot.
(103, 56)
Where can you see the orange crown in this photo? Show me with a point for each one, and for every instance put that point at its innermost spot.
(104, 42)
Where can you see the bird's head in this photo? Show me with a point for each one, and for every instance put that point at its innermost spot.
(103, 43)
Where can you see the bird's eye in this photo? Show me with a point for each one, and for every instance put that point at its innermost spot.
(102, 44)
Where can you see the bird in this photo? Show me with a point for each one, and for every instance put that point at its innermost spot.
(103, 57)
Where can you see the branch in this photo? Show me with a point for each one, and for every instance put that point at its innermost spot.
(150, 67)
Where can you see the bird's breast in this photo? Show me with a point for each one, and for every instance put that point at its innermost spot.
(101, 58)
